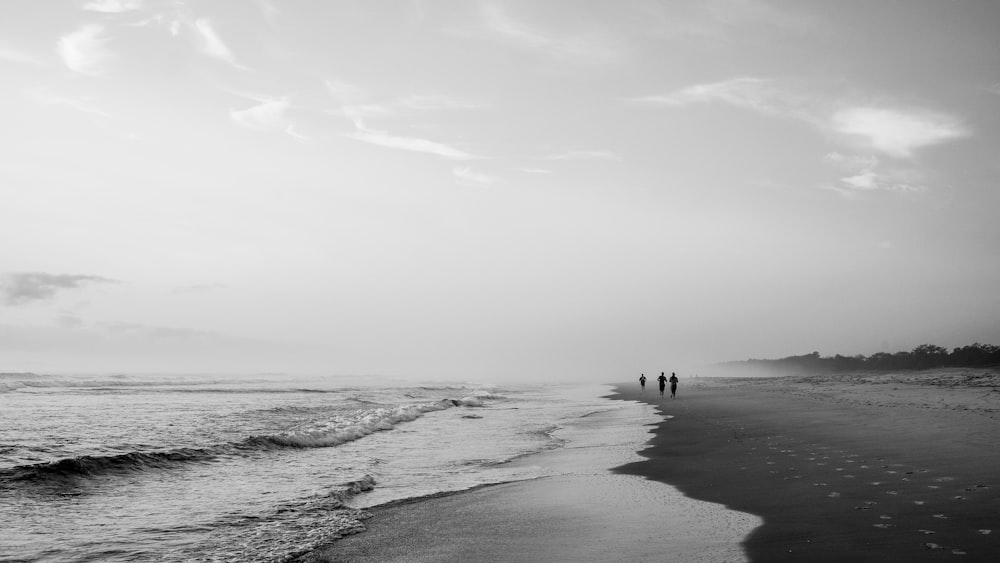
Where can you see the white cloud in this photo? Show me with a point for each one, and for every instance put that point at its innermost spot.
(897, 132)
(113, 6)
(892, 131)
(384, 139)
(213, 46)
(268, 114)
(84, 50)
(757, 94)
(582, 48)
(465, 176)
(869, 174)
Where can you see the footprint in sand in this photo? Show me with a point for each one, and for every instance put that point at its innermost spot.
(941, 516)
(918, 502)
(882, 525)
(927, 532)
(930, 545)
(958, 552)
(944, 479)
(892, 492)
(834, 495)
(885, 517)
(985, 532)
(959, 497)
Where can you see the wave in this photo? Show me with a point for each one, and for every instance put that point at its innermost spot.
(330, 432)
(21, 381)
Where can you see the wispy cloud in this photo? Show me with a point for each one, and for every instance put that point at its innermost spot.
(868, 174)
(893, 131)
(113, 6)
(26, 287)
(213, 46)
(84, 50)
(267, 115)
(365, 134)
(408, 105)
(758, 94)
(897, 132)
(585, 154)
(591, 47)
(466, 176)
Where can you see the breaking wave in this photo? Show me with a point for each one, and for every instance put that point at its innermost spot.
(329, 432)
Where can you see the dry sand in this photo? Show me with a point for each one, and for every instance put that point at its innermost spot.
(892, 467)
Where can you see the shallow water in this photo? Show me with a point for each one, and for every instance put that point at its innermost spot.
(172, 468)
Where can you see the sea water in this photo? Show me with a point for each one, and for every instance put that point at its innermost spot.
(253, 468)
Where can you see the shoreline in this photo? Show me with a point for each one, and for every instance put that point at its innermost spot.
(582, 511)
(838, 468)
(867, 469)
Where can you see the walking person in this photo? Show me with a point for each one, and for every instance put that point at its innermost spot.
(673, 385)
(642, 382)
(663, 383)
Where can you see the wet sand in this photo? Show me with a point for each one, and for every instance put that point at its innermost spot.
(862, 468)
(892, 467)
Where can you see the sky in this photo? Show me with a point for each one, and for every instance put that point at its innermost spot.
(492, 190)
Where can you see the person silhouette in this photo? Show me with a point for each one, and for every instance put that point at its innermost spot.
(673, 385)
(642, 381)
(663, 383)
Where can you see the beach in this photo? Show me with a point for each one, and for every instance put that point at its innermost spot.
(860, 467)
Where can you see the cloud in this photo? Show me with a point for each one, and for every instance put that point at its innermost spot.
(213, 46)
(113, 6)
(84, 50)
(465, 176)
(758, 94)
(867, 174)
(995, 88)
(587, 48)
(25, 287)
(585, 154)
(384, 139)
(893, 131)
(897, 132)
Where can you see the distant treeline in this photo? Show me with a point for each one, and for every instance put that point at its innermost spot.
(925, 356)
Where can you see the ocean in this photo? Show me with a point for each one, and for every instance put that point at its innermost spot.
(253, 468)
